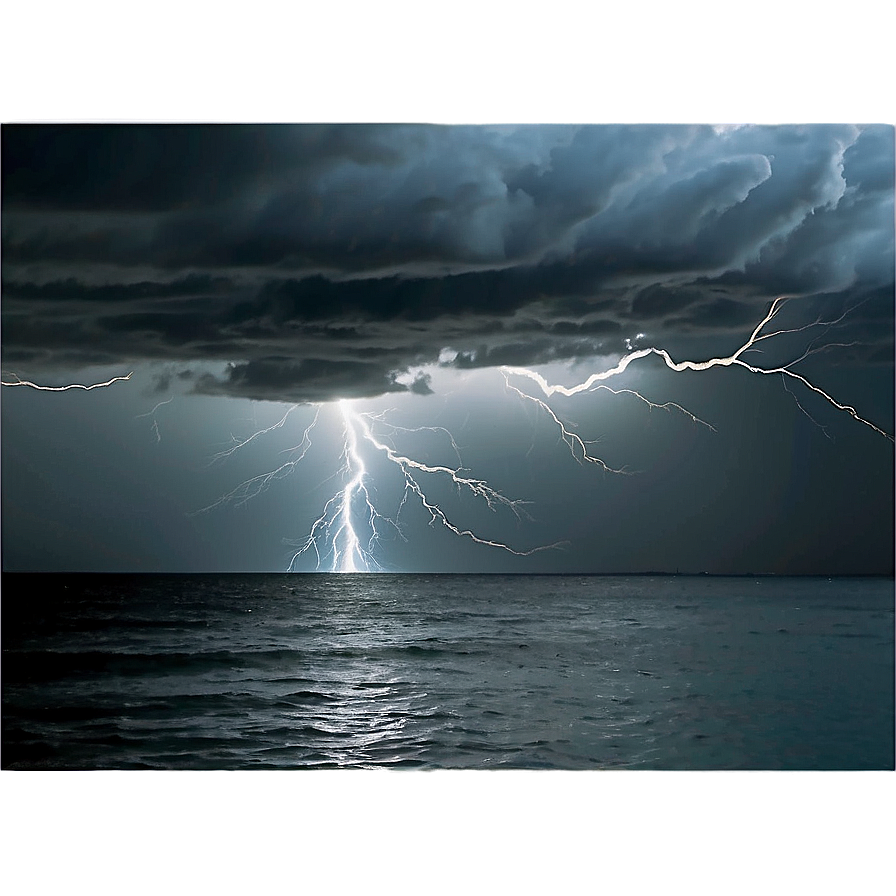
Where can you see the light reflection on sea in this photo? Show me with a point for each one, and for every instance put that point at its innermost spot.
(569, 672)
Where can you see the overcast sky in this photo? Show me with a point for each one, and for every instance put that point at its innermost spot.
(287, 295)
(241, 270)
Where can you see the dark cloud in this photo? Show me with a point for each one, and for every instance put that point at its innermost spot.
(72, 290)
(865, 161)
(325, 260)
(165, 168)
(312, 379)
(719, 313)
(658, 301)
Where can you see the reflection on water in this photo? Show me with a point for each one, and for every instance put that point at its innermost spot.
(448, 671)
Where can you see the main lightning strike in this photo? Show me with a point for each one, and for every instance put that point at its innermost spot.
(578, 447)
(334, 537)
(344, 536)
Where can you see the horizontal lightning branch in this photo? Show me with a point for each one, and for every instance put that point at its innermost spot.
(732, 360)
(20, 382)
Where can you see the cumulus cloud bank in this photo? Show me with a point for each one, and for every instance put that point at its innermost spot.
(321, 261)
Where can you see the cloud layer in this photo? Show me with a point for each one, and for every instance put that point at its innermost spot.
(325, 261)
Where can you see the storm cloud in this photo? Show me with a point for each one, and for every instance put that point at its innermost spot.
(311, 262)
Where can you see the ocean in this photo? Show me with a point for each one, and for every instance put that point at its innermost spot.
(282, 671)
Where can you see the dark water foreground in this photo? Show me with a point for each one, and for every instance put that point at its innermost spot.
(569, 672)
(436, 832)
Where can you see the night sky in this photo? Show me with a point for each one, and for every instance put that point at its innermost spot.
(239, 271)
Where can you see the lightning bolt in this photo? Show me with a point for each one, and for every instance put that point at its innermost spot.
(334, 537)
(18, 381)
(240, 443)
(345, 535)
(578, 447)
(250, 488)
(152, 413)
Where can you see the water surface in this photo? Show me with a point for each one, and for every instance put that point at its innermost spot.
(536, 672)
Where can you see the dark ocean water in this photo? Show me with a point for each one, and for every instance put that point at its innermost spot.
(535, 672)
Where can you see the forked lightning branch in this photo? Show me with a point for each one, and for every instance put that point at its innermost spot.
(334, 538)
